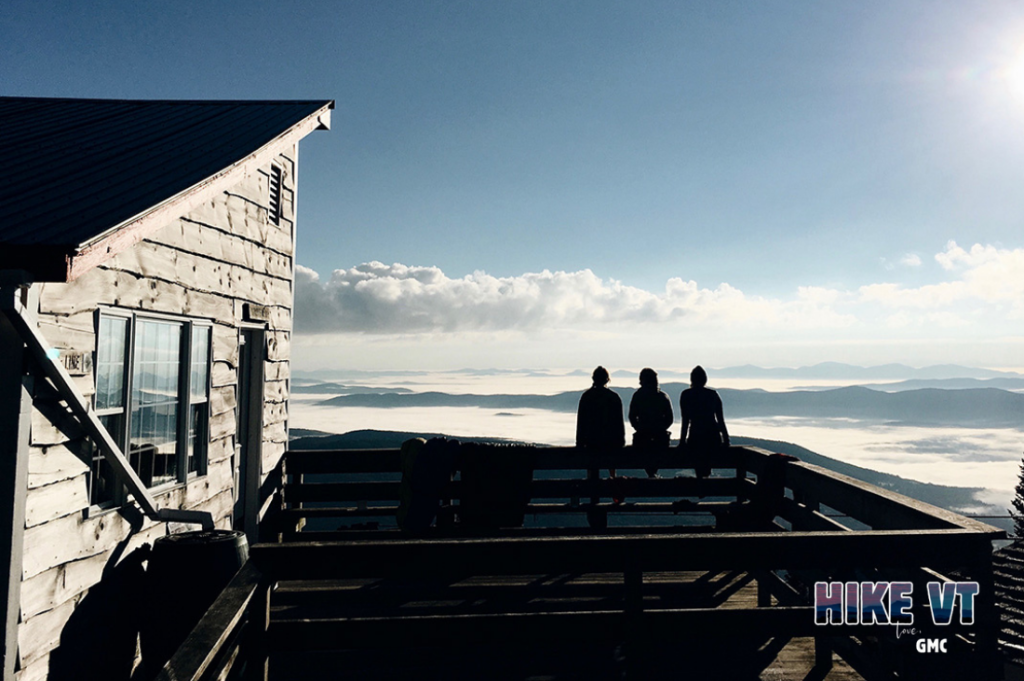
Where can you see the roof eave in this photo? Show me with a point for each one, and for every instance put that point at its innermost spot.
(85, 256)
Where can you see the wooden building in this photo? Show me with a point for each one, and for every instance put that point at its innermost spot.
(146, 269)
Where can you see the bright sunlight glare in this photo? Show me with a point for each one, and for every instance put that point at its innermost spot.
(1013, 76)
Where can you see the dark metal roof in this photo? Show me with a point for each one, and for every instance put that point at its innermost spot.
(76, 168)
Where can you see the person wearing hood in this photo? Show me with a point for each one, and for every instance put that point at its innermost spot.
(650, 414)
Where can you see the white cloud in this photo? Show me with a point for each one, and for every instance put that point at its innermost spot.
(911, 260)
(818, 295)
(929, 296)
(388, 299)
(984, 274)
(397, 313)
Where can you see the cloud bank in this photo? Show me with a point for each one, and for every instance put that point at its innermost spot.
(976, 292)
(387, 299)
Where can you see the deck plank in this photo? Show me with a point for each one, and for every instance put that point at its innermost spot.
(772, 659)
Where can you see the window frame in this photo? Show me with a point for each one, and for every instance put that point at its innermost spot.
(184, 402)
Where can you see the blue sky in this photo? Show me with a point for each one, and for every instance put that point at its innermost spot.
(773, 182)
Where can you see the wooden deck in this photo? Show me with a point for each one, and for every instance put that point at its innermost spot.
(527, 656)
(723, 592)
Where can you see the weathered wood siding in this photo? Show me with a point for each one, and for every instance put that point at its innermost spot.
(208, 265)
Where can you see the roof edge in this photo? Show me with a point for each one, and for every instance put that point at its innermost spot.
(119, 238)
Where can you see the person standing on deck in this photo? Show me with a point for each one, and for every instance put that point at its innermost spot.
(650, 414)
(600, 429)
(599, 424)
(704, 429)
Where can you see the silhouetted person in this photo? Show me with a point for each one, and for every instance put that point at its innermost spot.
(650, 414)
(599, 429)
(599, 425)
(704, 429)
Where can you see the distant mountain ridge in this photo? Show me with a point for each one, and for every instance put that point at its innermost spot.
(342, 389)
(841, 371)
(376, 439)
(822, 370)
(972, 407)
(1003, 383)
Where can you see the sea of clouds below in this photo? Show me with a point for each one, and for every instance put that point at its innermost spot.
(965, 457)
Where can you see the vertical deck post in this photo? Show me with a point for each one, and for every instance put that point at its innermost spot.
(15, 422)
(257, 665)
(281, 501)
(741, 476)
(764, 592)
(823, 653)
(635, 635)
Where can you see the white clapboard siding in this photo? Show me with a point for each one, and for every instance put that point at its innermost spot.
(37, 671)
(57, 585)
(44, 504)
(47, 465)
(222, 399)
(209, 264)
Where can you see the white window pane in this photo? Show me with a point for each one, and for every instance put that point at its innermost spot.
(110, 361)
(155, 377)
(200, 362)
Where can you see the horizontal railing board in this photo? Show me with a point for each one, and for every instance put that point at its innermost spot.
(325, 461)
(862, 501)
(343, 461)
(806, 519)
(295, 514)
(539, 489)
(879, 508)
(502, 591)
(686, 551)
(599, 626)
(204, 643)
(395, 534)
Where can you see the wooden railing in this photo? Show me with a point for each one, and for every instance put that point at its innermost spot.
(229, 641)
(785, 524)
(361, 487)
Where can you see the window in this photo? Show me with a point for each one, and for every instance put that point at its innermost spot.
(274, 207)
(111, 360)
(152, 395)
(199, 399)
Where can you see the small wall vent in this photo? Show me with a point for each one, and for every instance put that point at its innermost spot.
(274, 207)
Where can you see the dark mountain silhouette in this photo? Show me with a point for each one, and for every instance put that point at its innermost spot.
(954, 498)
(988, 407)
(373, 439)
(561, 402)
(340, 389)
(972, 407)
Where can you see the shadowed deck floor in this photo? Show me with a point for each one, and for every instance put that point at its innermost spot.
(691, 657)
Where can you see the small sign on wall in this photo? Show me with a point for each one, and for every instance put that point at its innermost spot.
(77, 363)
